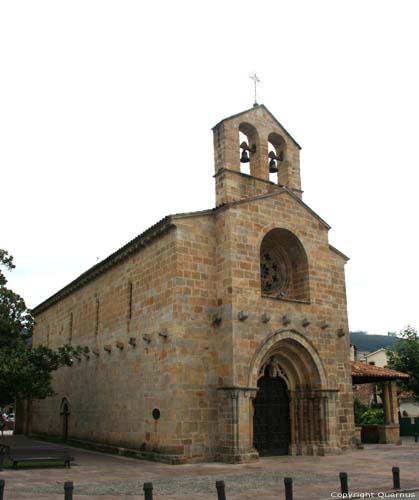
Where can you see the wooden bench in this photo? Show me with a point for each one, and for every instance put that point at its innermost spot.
(39, 454)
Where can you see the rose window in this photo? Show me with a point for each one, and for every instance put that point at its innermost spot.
(274, 273)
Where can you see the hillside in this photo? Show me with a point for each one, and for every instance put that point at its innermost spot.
(370, 343)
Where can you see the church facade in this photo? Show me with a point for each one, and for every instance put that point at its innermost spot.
(214, 335)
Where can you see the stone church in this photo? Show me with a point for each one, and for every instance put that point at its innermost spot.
(214, 335)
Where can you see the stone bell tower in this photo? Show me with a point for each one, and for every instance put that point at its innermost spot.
(269, 149)
(283, 332)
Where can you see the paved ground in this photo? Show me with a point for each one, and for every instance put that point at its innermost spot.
(99, 476)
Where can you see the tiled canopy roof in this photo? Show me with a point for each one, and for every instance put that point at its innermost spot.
(362, 373)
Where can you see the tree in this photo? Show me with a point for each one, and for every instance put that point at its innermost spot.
(16, 322)
(25, 371)
(405, 358)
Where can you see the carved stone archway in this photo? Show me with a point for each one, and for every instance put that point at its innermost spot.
(312, 413)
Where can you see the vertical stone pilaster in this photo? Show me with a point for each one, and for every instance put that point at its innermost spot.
(259, 162)
(235, 421)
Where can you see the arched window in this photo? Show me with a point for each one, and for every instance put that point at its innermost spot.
(249, 141)
(276, 155)
(64, 413)
(284, 266)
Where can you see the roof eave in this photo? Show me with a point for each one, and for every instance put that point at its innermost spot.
(139, 242)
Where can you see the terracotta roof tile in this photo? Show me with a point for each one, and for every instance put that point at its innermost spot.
(363, 373)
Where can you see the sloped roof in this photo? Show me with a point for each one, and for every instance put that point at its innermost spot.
(338, 252)
(142, 240)
(277, 192)
(147, 237)
(259, 106)
(363, 373)
(368, 354)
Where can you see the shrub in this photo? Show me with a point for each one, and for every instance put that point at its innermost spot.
(373, 416)
(359, 410)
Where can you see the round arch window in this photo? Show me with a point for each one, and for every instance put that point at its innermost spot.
(283, 266)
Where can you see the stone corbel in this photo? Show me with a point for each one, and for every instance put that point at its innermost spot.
(286, 320)
(265, 318)
(242, 316)
(216, 319)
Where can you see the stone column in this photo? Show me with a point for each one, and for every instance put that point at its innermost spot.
(390, 431)
(394, 405)
(328, 419)
(235, 425)
(387, 403)
(323, 419)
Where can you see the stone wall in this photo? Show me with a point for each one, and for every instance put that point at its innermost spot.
(182, 324)
(113, 392)
(325, 312)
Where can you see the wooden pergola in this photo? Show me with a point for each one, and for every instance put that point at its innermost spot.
(363, 373)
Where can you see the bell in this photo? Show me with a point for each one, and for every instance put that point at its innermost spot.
(244, 157)
(272, 167)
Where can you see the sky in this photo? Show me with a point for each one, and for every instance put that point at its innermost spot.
(106, 109)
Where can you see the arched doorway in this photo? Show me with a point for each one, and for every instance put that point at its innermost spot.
(271, 418)
(64, 414)
(292, 404)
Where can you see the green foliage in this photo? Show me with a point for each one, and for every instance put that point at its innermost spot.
(16, 322)
(405, 358)
(25, 371)
(359, 410)
(373, 416)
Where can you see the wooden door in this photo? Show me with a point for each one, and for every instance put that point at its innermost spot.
(271, 421)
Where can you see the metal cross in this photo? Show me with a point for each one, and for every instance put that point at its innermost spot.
(255, 81)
